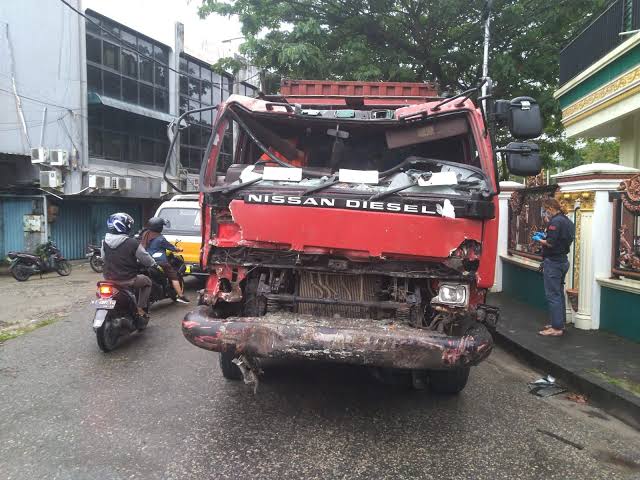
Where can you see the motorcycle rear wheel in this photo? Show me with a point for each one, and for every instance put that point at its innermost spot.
(63, 267)
(21, 272)
(96, 263)
(107, 335)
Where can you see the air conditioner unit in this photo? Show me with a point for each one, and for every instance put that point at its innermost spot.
(165, 188)
(59, 158)
(195, 182)
(50, 179)
(39, 155)
(99, 181)
(121, 183)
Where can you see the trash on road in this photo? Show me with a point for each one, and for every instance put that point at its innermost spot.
(574, 397)
(545, 387)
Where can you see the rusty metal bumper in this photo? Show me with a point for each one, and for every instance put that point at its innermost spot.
(354, 341)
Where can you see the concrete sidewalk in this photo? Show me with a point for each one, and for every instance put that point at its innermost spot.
(600, 365)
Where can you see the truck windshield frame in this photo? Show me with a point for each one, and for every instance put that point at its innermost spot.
(448, 134)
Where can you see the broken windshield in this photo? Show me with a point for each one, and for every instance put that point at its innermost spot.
(436, 156)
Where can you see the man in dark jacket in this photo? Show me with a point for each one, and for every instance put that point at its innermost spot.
(121, 254)
(556, 244)
(157, 246)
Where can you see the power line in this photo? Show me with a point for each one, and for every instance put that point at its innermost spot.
(40, 101)
(30, 125)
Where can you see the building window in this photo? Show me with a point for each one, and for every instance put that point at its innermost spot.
(146, 96)
(130, 90)
(126, 137)
(94, 49)
(200, 87)
(112, 87)
(161, 99)
(129, 63)
(111, 56)
(94, 79)
(119, 72)
(95, 142)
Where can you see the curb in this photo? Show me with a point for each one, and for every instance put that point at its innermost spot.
(616, 401)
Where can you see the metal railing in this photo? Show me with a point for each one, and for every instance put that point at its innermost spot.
(525, 219)
(600, 37)
(626, 231)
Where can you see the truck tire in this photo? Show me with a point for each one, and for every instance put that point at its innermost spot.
(448, 382)
(230, 370)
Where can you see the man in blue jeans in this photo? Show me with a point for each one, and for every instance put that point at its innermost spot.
(556, 244)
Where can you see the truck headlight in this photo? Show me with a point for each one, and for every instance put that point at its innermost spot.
(452, 294)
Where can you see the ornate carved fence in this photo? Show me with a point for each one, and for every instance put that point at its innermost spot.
(525, 218)
(626, 230)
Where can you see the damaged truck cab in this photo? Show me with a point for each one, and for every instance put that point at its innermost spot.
(355, 227)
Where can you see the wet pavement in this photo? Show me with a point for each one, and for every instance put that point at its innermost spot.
(158, 408)
(43, 297)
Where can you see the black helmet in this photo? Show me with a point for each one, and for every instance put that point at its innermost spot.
(155, 224)
(120, 223)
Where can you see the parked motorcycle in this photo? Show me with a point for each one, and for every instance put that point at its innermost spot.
(116, 306)
(48, 258)
(95, 258)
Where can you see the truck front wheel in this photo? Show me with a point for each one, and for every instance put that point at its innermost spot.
(448, 382)
(230, 370)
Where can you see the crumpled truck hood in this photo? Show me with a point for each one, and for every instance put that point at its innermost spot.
(371, 234)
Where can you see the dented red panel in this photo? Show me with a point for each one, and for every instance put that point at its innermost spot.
(487, 267)
(372, 233)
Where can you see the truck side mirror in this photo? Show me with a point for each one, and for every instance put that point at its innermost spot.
(522, 116)
(523, 158)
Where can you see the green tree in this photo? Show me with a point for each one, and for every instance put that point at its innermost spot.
(416, 40)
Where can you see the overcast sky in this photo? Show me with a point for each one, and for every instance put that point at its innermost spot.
(156, 19)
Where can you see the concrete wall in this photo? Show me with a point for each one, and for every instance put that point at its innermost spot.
(40, 47)
(523, 284)
(619, 313)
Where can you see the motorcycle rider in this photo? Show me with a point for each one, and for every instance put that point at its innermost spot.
(121, 254)
(157, 245)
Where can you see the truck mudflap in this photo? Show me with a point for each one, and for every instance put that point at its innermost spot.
(340, 340)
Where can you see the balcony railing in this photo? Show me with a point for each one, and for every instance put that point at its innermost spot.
(599, 38)
(525, 219)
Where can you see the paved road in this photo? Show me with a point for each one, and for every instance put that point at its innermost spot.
(158, 408)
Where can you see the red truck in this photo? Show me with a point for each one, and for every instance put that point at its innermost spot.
(358, 224)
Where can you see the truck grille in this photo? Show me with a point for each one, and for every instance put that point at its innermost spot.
(358, 288)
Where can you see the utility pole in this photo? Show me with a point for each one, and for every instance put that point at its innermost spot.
(485, 59)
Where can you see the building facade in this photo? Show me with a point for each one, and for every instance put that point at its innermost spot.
(84, 128)
(599, 95)
(599, 91)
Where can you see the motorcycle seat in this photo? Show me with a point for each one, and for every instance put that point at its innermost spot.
(21, 255)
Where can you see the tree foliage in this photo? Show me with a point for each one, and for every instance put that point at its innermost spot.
(589, 151)
(416, 40)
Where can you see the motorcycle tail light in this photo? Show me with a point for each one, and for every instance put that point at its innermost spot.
(105, 290)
